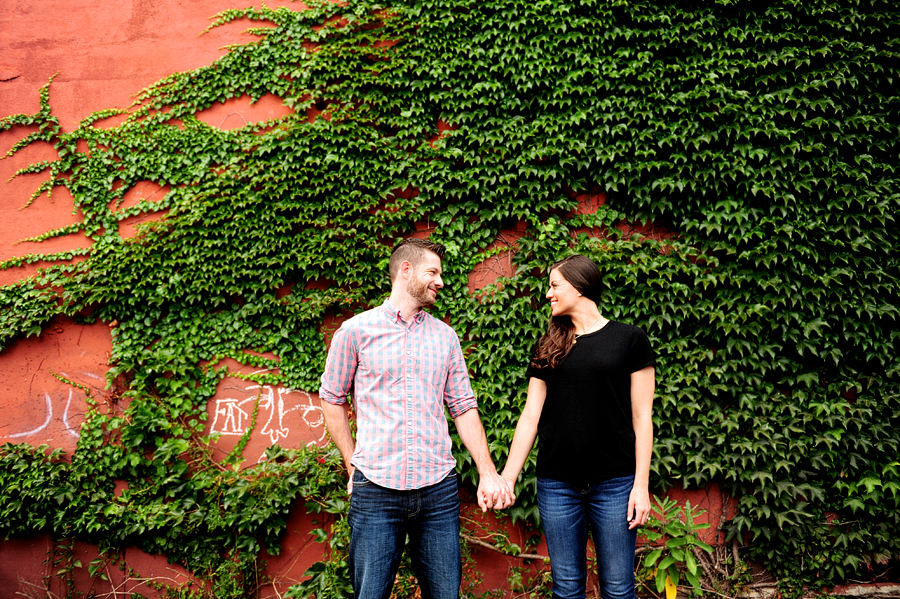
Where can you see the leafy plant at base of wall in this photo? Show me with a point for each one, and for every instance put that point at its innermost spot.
(673, 527)
(257, 494)
(531, 586)
(329, 578)
(62, 563)
(739, 160)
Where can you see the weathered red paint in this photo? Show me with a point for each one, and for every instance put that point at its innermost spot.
(37, 406)
(100, 55)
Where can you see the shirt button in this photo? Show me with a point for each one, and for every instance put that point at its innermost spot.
(408, 352)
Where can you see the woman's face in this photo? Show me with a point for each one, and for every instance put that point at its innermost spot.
(563, 297)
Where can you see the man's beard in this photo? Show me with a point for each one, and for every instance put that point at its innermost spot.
(419, 292)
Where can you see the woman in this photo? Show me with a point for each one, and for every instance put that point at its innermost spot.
(590, 396)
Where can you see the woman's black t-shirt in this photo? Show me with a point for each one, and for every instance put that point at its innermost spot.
(585, 434)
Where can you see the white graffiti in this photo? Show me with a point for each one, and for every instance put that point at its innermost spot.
(232, 415)
(69, 428)
(41, 427)
(48, 419)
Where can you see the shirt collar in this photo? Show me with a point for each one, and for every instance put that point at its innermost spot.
(395, 315)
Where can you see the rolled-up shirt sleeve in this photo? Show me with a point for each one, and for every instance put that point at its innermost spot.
(340, 368)
(458, 393)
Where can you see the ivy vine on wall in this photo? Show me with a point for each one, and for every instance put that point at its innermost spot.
(764, 136)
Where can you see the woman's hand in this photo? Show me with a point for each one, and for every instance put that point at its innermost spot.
(526, 432)
(512, 487)
(643, 383)
(638, 507)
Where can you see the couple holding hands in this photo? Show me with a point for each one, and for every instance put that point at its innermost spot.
(590, 394)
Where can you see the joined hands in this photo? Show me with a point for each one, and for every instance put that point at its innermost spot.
(495, 492)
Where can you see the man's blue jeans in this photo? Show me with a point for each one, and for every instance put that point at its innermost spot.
(380, 520)
(567, 510)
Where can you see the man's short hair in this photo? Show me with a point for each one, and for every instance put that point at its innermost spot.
(413, 250)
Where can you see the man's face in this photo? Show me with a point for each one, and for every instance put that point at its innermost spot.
(425, 281)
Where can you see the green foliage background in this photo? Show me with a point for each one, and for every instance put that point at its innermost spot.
(764, 136)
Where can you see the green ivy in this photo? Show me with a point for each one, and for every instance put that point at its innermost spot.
(754, 144)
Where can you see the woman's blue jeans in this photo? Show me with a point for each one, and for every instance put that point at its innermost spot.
(380, 520)
(567, 510)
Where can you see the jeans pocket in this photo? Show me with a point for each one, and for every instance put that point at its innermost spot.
(359, 479)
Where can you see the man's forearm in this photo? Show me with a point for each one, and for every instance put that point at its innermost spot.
(493, 490)
(338, 425)
(471, 432)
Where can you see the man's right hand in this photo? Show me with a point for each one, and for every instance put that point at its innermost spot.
(338, 426)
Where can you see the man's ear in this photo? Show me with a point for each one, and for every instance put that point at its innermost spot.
(406, 269)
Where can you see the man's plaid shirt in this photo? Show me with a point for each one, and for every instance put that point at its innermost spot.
(399, 377)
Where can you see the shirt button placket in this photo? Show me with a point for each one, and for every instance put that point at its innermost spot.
(409, 410)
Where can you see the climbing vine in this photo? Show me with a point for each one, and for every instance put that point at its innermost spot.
(747, 157)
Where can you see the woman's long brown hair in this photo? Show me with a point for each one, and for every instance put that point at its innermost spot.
(584, 275)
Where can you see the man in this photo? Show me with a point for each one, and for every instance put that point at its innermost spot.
(402, 366)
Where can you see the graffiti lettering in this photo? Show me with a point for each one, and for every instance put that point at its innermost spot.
(232, 415)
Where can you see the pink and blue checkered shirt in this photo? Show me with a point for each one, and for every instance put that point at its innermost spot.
(399, 377)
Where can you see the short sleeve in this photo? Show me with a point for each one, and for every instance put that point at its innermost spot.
(641, 353)
(533, 371)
